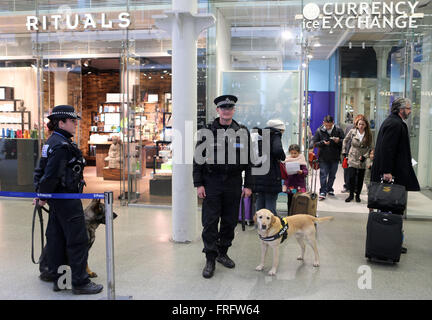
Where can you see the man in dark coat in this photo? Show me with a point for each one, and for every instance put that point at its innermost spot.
(392, 158)
(392, 151)
(328, 138)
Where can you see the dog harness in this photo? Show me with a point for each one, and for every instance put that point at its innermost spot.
(282, 233)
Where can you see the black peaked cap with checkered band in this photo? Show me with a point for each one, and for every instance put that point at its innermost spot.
(225, 101)
(63, 111)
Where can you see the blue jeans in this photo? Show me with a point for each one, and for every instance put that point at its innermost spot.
(327, 176)
(266, 201)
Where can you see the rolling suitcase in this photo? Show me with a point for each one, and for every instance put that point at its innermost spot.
(247, 210)
(384, 236)
(305, 202)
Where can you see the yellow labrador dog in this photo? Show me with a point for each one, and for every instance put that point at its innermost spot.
(273, 231)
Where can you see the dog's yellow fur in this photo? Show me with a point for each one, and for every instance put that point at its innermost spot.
(302, 226)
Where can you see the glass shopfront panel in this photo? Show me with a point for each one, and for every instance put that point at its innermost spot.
(258, 38)
(102, 72)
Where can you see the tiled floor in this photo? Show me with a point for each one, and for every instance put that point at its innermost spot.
(150, 266)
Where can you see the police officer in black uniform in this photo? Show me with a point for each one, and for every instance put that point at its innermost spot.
(220, 185)
(60, 170)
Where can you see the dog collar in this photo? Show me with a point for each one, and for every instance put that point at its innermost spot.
(282, 233)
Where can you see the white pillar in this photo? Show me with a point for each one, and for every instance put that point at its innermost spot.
(223, 49)
(60, 88)
(185, 25)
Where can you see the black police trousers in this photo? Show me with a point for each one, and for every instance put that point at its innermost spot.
(222, 204)
(67, 239)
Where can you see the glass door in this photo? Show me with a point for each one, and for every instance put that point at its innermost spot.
(404, 81)
(131, 124)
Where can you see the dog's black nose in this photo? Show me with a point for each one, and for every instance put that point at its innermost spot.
(263, 227)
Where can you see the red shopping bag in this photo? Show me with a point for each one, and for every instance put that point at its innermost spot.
(345, 163)
(284, 173)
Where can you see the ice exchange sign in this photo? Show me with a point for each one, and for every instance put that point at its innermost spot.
(361, 15)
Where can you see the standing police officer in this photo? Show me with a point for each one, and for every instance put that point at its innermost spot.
(220, 184)
(60, 170)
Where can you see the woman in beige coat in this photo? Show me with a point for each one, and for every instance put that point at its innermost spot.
(361, 143)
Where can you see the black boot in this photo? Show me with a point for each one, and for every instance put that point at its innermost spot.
(357, 198)
(89, 288)
(350, 198)
(209, 268)
(47, 276)
(225, 260)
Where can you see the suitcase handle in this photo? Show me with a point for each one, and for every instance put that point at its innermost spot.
(242, 205)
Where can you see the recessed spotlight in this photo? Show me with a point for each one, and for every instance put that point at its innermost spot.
(287, 35)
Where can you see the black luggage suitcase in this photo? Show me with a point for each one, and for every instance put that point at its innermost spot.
(384, 236)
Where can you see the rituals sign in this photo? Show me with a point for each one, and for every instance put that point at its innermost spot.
(77, 21)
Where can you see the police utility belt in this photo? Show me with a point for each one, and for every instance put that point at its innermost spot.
(282, 233)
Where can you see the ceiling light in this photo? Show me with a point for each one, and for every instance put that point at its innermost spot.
(317, 44)
(287, 35)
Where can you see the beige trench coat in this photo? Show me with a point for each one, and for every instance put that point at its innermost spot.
(356, 150)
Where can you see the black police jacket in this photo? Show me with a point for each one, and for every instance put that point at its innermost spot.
(61, 165)
(211, 165)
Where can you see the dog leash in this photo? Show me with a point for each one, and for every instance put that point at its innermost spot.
(38, 209)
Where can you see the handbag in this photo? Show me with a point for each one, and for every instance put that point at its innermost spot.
(284, 173)
(313, 161)
(387, 196)
(345, 163)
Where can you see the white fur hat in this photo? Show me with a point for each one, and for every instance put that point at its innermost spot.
(276, 123)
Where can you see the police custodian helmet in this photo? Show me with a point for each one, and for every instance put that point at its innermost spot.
(63, 112)
(225, 101)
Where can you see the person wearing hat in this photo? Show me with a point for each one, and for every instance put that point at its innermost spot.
(60, 170)
(220, 184)
(269, 185)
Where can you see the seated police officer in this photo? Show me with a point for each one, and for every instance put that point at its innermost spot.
(60, 170)
(220, 184)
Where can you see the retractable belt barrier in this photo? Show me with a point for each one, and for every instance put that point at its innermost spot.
(47, 196)
(109, 233)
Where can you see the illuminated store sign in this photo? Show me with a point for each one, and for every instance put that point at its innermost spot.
(362, 15)
(76, 21)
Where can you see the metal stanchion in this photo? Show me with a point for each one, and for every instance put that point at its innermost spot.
(109, 231)
(109, 244)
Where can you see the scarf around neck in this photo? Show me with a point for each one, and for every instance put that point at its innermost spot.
(300, 159)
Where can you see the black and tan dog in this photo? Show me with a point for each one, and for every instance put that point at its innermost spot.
(94, 215)
(273, 230)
